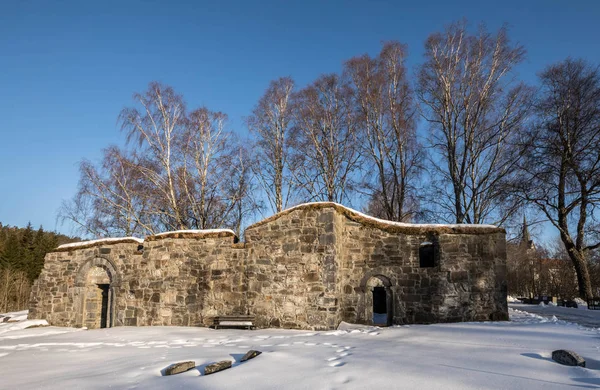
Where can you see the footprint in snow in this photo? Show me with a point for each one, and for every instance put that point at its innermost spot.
(341, 353)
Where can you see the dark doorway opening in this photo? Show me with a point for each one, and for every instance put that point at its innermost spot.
(104, 307)
(379, 306)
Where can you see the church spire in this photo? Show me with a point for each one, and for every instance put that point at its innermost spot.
(525, 237)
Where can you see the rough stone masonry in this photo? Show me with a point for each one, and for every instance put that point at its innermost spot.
(308, 267)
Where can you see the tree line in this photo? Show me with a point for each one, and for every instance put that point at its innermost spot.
(22, 252)
(546, 270)
(491, 147)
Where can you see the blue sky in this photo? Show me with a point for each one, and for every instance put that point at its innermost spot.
(68, 68)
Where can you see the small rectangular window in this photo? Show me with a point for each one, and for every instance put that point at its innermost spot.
(426, 255)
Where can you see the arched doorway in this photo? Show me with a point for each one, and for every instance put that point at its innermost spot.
(97, 280)
(97, 299)
(378, 300)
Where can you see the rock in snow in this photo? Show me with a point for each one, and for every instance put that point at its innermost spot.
(251, 354)
(568, 358)
(179, 367)
(216, 367)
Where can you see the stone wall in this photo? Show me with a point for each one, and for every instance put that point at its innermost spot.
(292, 270)
(467, 282)
(182, 281)
(306, 268)
(59, 294)
(171, 281)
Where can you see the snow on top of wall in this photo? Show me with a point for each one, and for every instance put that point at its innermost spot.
(300, 206)
(99, 241)
(87, 244)
(393, 223)
(195, 231)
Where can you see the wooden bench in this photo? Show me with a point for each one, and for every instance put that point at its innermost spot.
(594, 303)
(234, 321)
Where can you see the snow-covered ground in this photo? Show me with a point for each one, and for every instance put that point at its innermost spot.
(508, 355)
(581, 315)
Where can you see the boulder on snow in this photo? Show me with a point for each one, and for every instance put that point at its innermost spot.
(180, 367)
(37, 326)
(568, 358)
(251, 354)
(216, 367)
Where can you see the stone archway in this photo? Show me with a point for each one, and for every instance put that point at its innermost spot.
(96, 282)
(377, 300)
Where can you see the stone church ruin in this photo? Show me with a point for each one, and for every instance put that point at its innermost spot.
(308, 267)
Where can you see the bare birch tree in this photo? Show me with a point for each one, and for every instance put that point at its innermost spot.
(112, 199)
(326, 154)
(476, 110)
(202, 176)
(270, 123)
(241, 189)
(177, 174)
(157, 127)
(560, 172)
(385, 111)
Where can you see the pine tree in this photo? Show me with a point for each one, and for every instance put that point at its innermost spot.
(43, 243)
(39, 251)
(23, 249)
(27, 251)
(12, 251)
